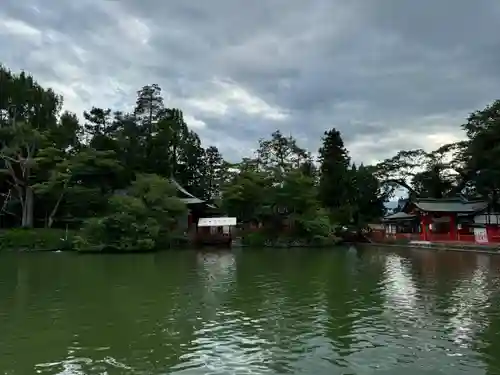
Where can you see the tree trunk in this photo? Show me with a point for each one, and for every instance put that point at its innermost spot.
(28, 208)
(54, 210)
(174, 159)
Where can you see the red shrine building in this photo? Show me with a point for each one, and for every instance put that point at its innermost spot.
(444, 220)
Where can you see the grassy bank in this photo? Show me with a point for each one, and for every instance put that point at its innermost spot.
(42, 239)
(39, 239)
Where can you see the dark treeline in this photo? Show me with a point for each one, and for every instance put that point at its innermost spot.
(109, 174)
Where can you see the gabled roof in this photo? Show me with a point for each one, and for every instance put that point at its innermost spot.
(399, 216)
(457, 205)
(180, 188)
(190, 199)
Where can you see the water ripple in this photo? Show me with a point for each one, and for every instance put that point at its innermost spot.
(252, 312)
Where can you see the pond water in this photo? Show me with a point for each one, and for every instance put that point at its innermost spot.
(341, 311)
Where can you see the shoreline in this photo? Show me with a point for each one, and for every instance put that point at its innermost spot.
(478, 249)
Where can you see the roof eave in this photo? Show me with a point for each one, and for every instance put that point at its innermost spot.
(469, 212)
(398, 219)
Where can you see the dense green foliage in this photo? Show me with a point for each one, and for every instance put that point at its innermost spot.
(141, 219)
(284, 190)
(109, 173)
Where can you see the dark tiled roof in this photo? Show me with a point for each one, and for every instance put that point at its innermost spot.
(191, 200)
(450, 205)
(180, 188)
(399, 216)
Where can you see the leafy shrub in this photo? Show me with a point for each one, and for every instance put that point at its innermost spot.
(142, 220)
(127, 228)
(36, 239)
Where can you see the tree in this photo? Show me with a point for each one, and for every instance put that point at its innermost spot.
(369, 198)
(481, 154)
(431, 175)
(69, 175)
(254, 191)
(98, 122)
(335, 180)
(298, 195)
(278, 189)
(18, 156)
(149, 108)
(191, 163)
(214, 172)
(159, 196)
(29, 114)
(246, 194)
(281, 154)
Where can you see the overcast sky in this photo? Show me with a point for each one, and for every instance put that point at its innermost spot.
(389, 74)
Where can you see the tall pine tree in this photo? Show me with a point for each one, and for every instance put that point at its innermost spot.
(335, 177)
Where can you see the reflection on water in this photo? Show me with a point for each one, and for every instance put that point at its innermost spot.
(220, 343)
(399, 291)
(250, 312)
(470, 302)
(222, 346)
(218, 270)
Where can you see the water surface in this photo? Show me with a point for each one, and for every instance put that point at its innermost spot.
(377, 311)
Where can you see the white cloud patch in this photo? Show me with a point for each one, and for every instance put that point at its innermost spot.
(227, 97)
(11, 27)
(194, 123)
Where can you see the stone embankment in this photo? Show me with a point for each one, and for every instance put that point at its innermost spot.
(444, 246)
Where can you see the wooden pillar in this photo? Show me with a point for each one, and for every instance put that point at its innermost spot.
(423, 231)
(453, 227)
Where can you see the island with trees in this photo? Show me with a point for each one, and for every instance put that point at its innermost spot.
(104, 179)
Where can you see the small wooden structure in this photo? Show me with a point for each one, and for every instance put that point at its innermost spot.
(215, 230)
(196, 208)
(402, 225)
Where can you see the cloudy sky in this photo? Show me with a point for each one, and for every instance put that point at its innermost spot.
(389, 74)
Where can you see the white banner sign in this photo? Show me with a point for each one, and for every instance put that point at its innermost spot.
(480, 234)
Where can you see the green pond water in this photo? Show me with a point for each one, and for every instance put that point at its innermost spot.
(341, 311)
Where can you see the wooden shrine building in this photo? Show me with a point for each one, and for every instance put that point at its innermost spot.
(444, 220)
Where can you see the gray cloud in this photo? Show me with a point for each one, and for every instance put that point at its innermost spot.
(389, 74)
